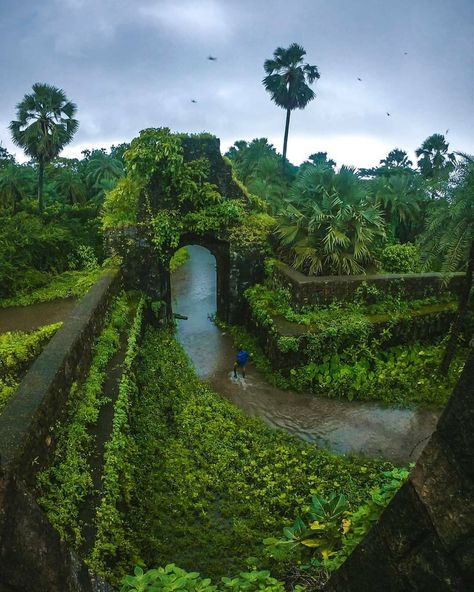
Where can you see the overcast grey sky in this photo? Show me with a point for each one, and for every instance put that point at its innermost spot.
(132, 64)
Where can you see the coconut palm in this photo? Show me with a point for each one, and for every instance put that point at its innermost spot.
(45, 124)
(328, 225)
(434, 160)
(450, 234)
(287, 82)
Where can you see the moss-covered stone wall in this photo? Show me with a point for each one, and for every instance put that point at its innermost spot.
(32, 556)
(424, 540)
(309, 290)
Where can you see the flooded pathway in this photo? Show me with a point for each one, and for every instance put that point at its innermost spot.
(343, 426)
(28, 318)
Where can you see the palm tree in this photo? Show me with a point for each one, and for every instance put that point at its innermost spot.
(328, 225)
(16, 183)
(287, 82)
(450, 234)
(103, 168)
(434, 160)
(246, 156)
(45, 124)
(396, 158)
(400, 196)
(268, 182)
(69, 184)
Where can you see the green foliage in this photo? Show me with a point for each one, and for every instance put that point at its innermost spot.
(287, 80)
(434, 160)
(70, 284)
(209, 482)
(67, 482)
(400, 195)
(449, 230)
(328, 226)
(401, 259)
(121, 203)
(118, 471)
(34, 248)
(328, 532)
(172, 578)
(17, 351)
(253, 232)
(402, 376)
(179, 259)
(45, 124)
(166, 194)
(323, 533)
(350, 351)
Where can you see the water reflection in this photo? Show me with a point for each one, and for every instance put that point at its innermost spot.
(342, 426)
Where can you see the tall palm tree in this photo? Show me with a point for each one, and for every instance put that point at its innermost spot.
(434, 160)
(45, 124)
(287, 82)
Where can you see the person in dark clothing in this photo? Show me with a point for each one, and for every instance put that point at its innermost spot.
(241, 360)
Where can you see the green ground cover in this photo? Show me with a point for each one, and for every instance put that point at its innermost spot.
(70, 284)
(17, 350)
(201, 483)
(65, 484)
(402, 376)
(337, 351)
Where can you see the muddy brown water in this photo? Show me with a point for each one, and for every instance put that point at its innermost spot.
(358, 427)
(28, 318)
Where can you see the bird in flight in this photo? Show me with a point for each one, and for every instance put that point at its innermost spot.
(445, 133)
(193, 101)
(211, 58)
(359, 79)
(406, 53)
(388, 114)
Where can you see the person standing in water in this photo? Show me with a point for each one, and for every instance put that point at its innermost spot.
(241, 360)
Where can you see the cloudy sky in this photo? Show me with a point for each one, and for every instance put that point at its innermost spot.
(135, 64)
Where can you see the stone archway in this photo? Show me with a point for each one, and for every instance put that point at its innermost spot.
(220, 249)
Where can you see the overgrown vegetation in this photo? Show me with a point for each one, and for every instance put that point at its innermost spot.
(118, 472)
(17, 350)
(209, 483)
(66, 483)
(70, 284)
(387, 351)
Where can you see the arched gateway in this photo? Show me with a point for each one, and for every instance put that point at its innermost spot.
(187, 195)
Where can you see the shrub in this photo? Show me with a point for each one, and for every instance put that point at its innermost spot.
(403, 258)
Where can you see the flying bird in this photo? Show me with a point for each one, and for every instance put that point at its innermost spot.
(211, 58)
(359, 79)
(388, 114)
(406, 53)
(193, 101)
(446, 132)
